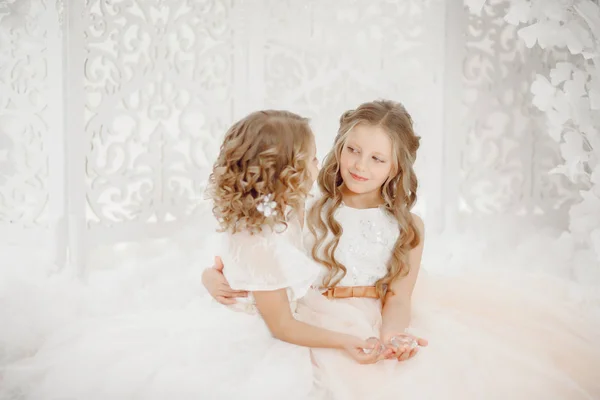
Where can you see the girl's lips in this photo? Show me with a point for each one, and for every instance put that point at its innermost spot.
(358, 177)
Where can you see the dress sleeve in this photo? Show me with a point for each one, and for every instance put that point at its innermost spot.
(268, 261)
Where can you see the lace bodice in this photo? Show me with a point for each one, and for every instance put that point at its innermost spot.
(366, 244)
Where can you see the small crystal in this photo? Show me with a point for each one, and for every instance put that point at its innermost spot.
(378, 347)
(402, 341)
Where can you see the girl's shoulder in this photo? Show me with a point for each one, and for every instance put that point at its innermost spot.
(418, 221)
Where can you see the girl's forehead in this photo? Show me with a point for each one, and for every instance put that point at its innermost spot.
(372, 137)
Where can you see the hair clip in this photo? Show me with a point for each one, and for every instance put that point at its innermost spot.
(267, 206)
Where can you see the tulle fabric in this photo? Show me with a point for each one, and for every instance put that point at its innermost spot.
(202, 352)
(491, 336)
(150, 331)
(147, 330)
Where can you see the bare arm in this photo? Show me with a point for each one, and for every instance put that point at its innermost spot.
(396, 312)
(275, 310)
(397, 306)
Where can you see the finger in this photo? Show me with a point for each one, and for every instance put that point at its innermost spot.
(393, 352)
(404, 355)
(225, 300)
(389, 353)
(397, 350)
(413, 352)
(225, 288)
(237, 293)
(218, 264)
(385, 355)
(422, 342)
(226, 293)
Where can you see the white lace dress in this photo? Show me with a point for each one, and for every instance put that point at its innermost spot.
(490, 337)
(203, 351)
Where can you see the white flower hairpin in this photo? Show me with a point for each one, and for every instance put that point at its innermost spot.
(267, 206)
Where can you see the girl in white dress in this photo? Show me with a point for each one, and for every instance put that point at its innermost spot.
(485, 337)
(259, 183)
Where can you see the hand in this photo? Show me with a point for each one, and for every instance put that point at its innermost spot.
(367, 351)
(214, 281)
(404, 346)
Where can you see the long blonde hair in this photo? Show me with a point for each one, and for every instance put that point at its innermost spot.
(399, 191)
(265, 153)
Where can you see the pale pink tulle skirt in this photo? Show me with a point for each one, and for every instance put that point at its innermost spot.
(490, 337)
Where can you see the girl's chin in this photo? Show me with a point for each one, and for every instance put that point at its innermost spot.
(357, 188)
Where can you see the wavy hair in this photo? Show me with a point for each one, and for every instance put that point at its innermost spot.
(399, 191)
(263, 154)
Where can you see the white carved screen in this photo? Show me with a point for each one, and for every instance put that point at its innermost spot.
(159, 90)
(506, 153)
(163, 80)
(150, 87)
(32, 184)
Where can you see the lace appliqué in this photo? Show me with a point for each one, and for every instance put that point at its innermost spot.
(368, 248)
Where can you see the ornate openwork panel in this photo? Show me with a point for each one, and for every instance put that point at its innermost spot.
(507, 155)
(24, 125)
(31, 186)
(158, 97)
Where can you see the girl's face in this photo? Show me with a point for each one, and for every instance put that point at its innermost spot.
(366, 159)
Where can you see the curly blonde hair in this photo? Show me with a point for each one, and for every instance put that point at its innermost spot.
(399, 191)
(265, 153)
